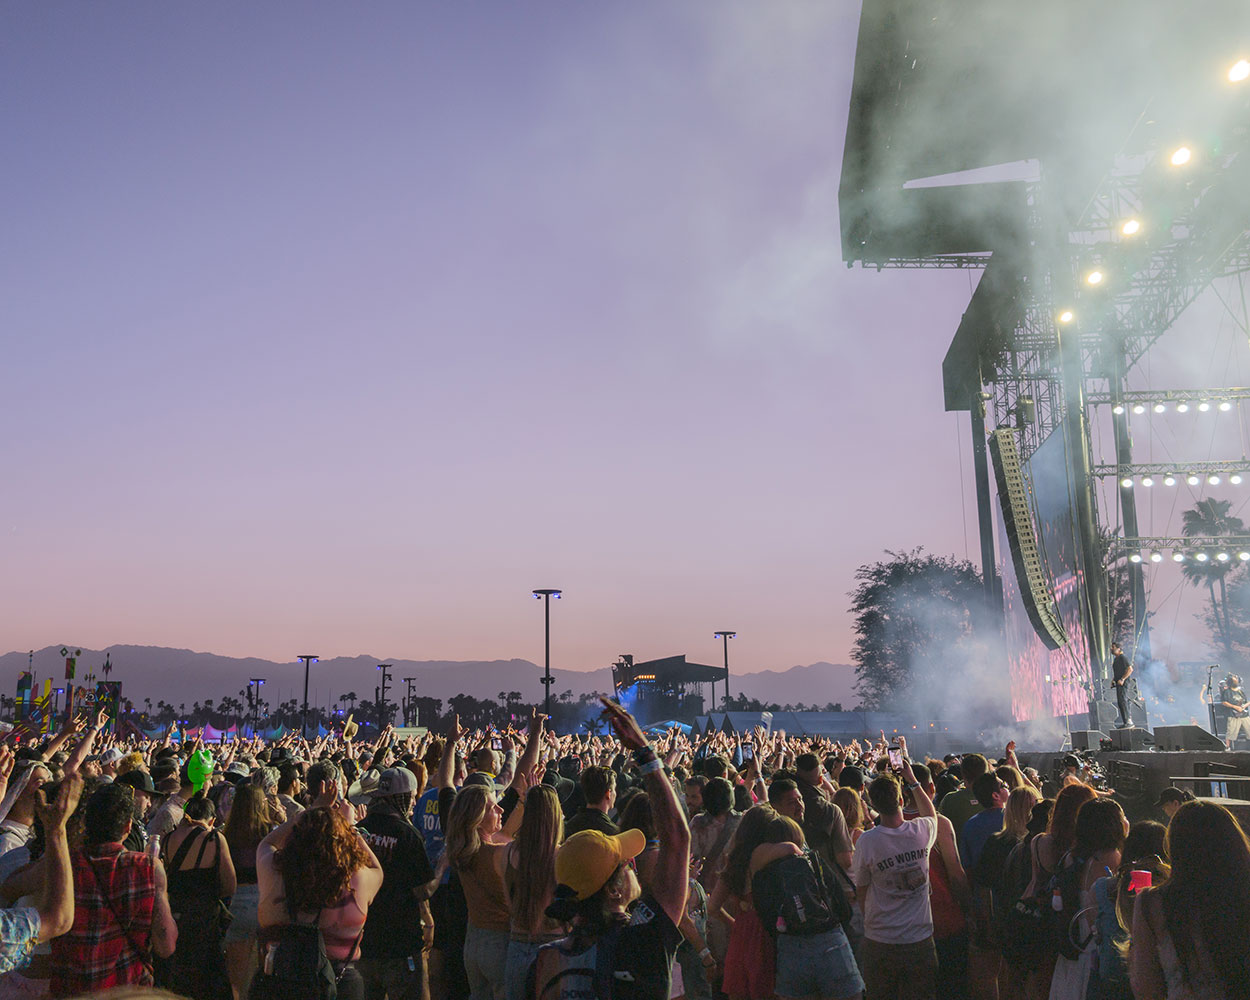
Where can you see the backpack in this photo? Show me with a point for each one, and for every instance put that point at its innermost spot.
(596, 969)
(295, 967)
(1034, 931)
(797, 895)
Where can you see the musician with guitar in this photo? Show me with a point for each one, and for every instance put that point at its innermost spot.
(1233, 698)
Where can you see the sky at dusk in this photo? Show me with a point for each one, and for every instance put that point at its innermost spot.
(341, 331)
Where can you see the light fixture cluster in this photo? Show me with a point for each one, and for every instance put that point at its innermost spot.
(1197, 555)
(1235, 477)
(1180, 405)
(1129, 227)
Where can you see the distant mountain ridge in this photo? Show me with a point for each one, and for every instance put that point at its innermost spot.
(184, 676)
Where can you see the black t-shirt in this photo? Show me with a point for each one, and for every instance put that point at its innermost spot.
(1120, 666)
(1234, 696)
(590, 819)
(393, 927)
(642, 965)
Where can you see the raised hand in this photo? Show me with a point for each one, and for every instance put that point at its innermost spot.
(626, 726)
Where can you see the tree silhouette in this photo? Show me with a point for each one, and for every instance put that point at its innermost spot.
(1212, 518)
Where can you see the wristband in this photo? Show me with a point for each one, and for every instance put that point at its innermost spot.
(644, 755)
(651, 766)
(913, 786)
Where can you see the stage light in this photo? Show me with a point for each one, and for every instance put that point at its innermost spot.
(1161, 408)
(1178, 556)
(1139, 408)
(1243, 555)
(1182, 407)
(1117, 409)
(1204, 406)
(1202, 557)
(1156, 556)
(1225, 406)
(1127, 482)
(1239, 71)
(1235, 478)
(1135, 557)
(1169, 480)
(1094, 277)
(1213, 479)
(1147, 481)
(1192, 479)
(1066, 316)
(1181, 155)
(1130, 227)
(1223, 557)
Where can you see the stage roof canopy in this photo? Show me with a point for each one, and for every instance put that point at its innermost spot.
(946, 86)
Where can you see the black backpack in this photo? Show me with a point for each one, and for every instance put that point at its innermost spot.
(799, 895)
(599, 978)
(295, 967)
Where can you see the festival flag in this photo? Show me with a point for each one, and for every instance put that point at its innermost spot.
(108, 696)
(70, 663)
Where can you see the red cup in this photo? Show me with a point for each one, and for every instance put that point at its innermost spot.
(1139, 880)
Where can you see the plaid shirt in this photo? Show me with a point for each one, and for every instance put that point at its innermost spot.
(98, 952)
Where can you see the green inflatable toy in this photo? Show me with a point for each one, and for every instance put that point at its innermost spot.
(200, 768)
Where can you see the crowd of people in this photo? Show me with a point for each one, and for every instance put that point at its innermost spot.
(517, 863)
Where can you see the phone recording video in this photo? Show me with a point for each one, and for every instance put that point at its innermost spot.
(896, 758)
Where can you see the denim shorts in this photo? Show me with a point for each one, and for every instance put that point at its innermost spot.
(243, 907)
(817, 965)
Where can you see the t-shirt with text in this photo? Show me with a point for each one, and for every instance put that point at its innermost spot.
(892, 863)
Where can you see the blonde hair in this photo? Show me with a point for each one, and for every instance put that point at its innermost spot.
(131, 762)
(464, 838)
(1020, 805)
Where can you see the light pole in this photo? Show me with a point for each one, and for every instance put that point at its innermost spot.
(254, 698)
(308, 658)
(726, 636)
(382, 713)
(547, 595)
(408, 702)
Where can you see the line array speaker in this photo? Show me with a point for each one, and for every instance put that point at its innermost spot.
(1039, 602)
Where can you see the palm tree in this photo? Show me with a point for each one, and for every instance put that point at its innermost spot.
(1211, 518)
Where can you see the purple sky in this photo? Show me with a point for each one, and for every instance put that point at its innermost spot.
(340, 332)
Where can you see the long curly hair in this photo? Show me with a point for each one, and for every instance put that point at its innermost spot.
(464, 838)
(319, 860)
(1207, 898)
(542, 831)
(750, 834)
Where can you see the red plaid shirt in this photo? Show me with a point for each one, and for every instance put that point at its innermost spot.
(98, 952)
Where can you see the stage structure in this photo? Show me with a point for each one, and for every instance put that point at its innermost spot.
(667, 688)
(1110, 152)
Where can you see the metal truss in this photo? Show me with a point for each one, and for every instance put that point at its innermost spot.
(1192, 398)
(1180, 469)
(943, 262)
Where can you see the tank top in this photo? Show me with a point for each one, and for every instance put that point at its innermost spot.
(484, 890)
(948, 918)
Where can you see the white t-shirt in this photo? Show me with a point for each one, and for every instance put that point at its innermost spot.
(893, 863)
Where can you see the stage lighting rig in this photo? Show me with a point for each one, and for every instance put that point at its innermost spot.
(1181, 156)
(1239, 71)
(1130, 227)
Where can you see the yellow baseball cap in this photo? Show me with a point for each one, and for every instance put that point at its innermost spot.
(587, 860)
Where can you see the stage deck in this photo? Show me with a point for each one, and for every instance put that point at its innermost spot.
(1139, 776)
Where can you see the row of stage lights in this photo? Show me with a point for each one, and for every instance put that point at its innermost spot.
(1181, 156)
(1179, 556)
(1204, 406)
(1191, 479)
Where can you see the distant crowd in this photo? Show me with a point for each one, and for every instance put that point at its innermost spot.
(512, 863)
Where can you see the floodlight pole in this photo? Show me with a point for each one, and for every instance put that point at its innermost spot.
(547, 595)
(308, 658)
(255, 699)
(725, 635)
(408, 702)
(382, 713)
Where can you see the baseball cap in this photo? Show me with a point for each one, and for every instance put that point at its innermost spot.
(396, 781)
(586, 861)
(111, 756)
(1172, 795)
(851, 777)
(236, 770)
(140, 781)
(480, 778)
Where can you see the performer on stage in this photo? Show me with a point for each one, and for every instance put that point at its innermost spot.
(1121, 670)
(1234, 699)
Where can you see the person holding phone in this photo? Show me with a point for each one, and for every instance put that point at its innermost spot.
(891, 876)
